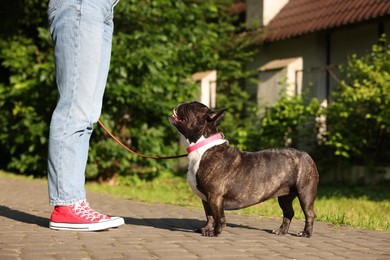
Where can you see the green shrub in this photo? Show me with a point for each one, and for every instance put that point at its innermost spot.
(289, 122)
(359, 114)
(26, 99)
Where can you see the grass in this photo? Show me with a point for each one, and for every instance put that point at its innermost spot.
(355, 206)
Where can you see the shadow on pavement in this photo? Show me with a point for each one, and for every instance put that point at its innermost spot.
(172, 224)
(180, 224)
(23, 217)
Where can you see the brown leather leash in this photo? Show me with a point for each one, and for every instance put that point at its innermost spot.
(133, 152)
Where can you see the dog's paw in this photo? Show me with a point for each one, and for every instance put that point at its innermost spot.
(304, 234)
(207, 232)
(279, 232)
(210, 232)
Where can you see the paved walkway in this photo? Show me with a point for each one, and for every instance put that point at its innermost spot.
(155, 231)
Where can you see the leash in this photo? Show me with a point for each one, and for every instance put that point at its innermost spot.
(133, 152)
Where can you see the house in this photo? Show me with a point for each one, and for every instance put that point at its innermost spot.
(302, 42)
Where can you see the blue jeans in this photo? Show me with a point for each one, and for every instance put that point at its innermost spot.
(82, 34)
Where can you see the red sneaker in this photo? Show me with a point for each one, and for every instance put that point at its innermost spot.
(80, 217)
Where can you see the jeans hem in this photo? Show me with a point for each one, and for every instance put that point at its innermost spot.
(65, 203)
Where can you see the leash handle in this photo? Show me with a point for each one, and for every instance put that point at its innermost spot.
(133, 152)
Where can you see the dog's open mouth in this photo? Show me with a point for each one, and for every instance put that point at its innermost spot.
(174, 117)
(174, 114)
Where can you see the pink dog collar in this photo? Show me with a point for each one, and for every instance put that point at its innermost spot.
(204, 142)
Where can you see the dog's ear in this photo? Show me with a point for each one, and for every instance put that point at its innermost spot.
(216, 115)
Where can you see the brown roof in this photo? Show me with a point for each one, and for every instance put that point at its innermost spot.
(300, 17)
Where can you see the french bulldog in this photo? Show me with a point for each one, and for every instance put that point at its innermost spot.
(226, 178)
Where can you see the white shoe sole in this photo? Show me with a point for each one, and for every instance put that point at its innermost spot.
(104, 225)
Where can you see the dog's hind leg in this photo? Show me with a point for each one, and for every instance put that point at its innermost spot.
(285, 203)
(307, 204)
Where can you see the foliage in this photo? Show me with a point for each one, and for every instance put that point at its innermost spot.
(157, 46)
(359, 115)
(239, 124)
(290, 122)
(22, 17)
(26, 99)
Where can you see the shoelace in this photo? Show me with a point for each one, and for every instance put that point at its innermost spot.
(83, 210)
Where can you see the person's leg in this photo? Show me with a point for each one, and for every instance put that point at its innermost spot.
(82, 34)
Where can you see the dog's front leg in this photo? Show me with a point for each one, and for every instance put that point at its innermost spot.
(218, 215)
(209, 226)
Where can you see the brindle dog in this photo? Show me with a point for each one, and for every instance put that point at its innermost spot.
(226, 178)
